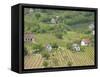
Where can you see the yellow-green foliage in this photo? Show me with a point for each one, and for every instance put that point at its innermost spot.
(72, 27)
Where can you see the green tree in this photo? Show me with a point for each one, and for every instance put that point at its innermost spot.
(54, 45)
(69, 63)
(37, 15)
(45, 64)
(59, 35)
(45, 54)
(37, 47)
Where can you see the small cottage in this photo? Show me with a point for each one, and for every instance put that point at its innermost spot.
(55, 20)
(31, 11)
(28, 11)
(75, 47)
(85, 42)
(91, 26)
(93, 32)
(29, 37)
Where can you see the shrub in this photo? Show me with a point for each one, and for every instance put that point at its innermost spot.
(45, 19)
(69, 63)
(45, 64)
(59, 35)
(42, 31)
(37, 47)
(35, 28)
(54, 45)
(82, 48)
(87, 32)
(55, 61)
(69, 46)
(37, 15)
(45, 54)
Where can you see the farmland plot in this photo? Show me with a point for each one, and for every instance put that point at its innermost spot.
(55, 38)
(33, 61)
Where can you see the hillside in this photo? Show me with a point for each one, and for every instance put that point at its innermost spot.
(58, 38)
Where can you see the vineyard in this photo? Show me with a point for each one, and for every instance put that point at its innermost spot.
(58, 38)
(59, 58)
(33, 61)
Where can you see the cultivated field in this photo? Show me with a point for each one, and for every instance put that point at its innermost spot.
(58, 38)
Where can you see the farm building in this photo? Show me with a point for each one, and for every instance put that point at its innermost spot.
(55, 20)
(76, 47)
(93, 32)
(85, 42)
(29, 37)
(31, 11)
(28, 11)
(91, 26)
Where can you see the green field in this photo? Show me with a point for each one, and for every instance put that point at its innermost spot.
(67, 29)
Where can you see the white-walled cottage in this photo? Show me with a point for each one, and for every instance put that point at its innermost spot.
(85, 42)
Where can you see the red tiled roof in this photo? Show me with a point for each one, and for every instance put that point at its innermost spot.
(87, 41)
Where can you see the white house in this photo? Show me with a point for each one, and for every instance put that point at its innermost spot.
(85, 42)
(31, 11)
(93, 32)
(53, 21)
(76, 47)
(91, 26)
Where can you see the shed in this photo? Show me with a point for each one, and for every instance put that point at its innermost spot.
(29, 37)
